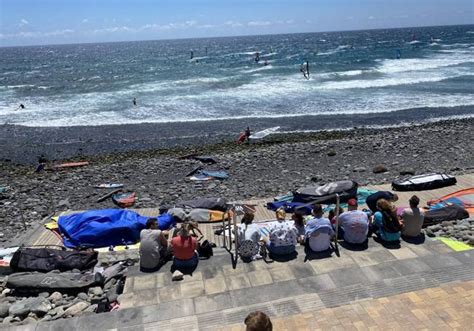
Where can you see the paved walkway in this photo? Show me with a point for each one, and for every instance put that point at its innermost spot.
(299, 292)
(447, 307)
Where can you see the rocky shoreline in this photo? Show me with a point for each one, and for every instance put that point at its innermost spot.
(275, 166)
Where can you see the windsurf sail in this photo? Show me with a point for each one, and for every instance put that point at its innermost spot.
(264, 133)
(464, 198)
(192, 55)
(304, 68)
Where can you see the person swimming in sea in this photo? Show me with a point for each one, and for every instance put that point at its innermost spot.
(134, 101)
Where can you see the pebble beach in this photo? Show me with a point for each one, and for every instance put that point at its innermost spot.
(276, 165)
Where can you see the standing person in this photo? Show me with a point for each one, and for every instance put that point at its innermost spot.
(386, 224)
(247, 134)
(372, 199)
(353, 224)
(134, 101)
(153, 247)
(319, 231)
(184, 247)
(412, 219)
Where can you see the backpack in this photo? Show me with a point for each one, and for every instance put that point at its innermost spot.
(390, 223)
(205, 249)
(248, 249)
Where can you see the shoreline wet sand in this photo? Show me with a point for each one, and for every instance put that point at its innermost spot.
(275, 166)
(23, 145)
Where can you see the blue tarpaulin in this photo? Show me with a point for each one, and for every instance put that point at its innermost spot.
(104, 228)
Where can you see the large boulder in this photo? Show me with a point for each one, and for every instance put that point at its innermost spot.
(55, 297)
(38, 306)
(4, 310)
(76, 309)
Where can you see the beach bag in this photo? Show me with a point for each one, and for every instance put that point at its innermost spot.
(423, 182)
(247, 249)
(448, 213)
(206, 203)
(48, 259)
(347, 189)
(205, 250)
(66, 282)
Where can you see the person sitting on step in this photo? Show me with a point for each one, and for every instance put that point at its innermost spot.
(386, 224)
(353, 224)
(153, 247)
(298, 218)
(319, 231)
(282, 236)
(248, 237)
(412, 219)
(184, 247)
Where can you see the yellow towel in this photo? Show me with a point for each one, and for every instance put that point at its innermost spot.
(457, 246)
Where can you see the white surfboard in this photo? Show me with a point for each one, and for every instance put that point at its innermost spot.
(264, 133)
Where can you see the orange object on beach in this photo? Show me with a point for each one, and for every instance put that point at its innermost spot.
(70, 165)
(124, 200)
(241, 138)
(464, 198)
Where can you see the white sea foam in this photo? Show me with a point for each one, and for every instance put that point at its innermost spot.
(391, 66)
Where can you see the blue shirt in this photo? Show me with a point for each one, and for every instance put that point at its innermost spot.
(386, 236)
(355, 225)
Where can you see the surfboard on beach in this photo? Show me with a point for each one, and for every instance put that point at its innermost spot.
(262, 134)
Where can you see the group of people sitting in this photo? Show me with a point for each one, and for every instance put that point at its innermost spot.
(180, 245)
(316, 232)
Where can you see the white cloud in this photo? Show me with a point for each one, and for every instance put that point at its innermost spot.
(371, 17)
(233, 24)
(23, 22)
(115, 29)
(85, 20)
(259, 23)
(58, 33)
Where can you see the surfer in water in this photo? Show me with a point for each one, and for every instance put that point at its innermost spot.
(134, 101)
(304, 68)
(399, 54)
(265, 63)
(21, 106)
(257, 57)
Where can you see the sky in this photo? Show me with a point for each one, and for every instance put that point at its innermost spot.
(37, 22)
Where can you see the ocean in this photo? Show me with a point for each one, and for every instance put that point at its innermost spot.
(353, 75)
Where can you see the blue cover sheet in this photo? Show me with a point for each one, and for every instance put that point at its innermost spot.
(107, 227)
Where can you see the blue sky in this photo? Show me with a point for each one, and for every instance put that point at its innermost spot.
(33, 22)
